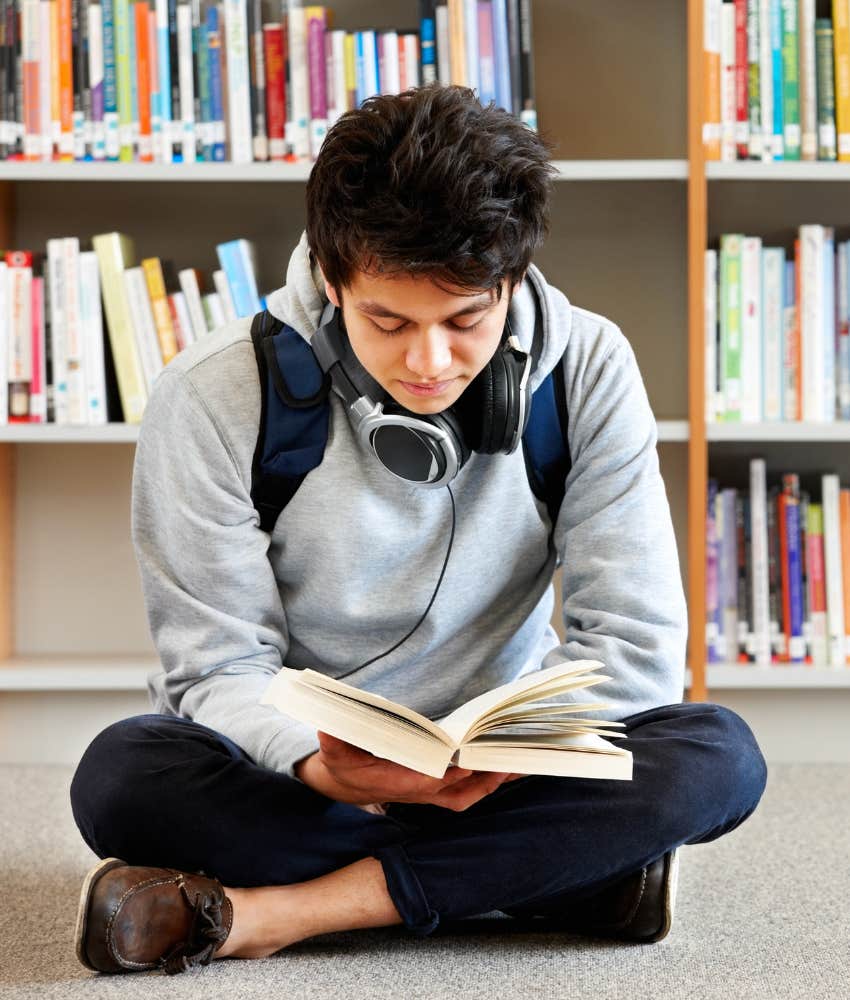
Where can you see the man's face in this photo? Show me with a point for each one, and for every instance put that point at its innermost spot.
(422, 343)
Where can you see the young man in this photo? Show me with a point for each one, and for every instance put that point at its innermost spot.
(229, 829)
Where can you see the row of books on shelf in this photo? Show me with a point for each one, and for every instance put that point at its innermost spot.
(777, 331)
(58, 364)
(778, 572)
(167, 81)
(777, 80)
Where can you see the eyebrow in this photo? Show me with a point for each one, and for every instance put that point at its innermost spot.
(376, 309)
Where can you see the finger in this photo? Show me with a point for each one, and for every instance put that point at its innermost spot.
(337, 749)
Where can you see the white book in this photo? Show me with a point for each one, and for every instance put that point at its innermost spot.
(388, 70)
(222, 287)
(96, 75)
(759, 569)
(299, 79)
(710, 314)
(189, 286)
(56, 299)
(410, 48)
(183, 318)
(510, 728)
(4, 343)
(751, 335)
(444, 73)
(829, 334)
(92, 323)
(842, 283)
(143, 324)
(811, 319)
(371, 83)
(728, 110)
(75, 358)
(808, 81)
(18, 337)
(831, 488)
(470, 34)
(773, 277)
(337, 90)
(213, 310)
(766, 80)
(238, 83)
(186, 82)
(44, 79)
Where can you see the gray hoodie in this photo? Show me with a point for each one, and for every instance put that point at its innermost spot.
(354, 558)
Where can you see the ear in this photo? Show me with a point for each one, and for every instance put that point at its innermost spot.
(329, 290)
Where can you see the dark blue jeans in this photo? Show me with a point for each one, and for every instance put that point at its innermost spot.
(169, 792)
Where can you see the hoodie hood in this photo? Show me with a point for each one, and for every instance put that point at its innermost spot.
(302, 301)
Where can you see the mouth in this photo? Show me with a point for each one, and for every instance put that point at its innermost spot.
(426, 388)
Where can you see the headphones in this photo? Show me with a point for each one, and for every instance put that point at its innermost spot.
(429, 449)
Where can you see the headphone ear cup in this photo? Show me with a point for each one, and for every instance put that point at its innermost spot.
(450, 423)
(499, 410)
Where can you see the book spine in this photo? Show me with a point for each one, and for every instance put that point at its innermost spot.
(470, 37)
(143, 80)
(791, 79)
(804, 573)
(829, 332)
(759, 566)
(742, 111)
(766, 78)
(57, 299)
(257, 79)
(808, 82)
(811, 320)
(754, 28)
(74, 334)
(299, 84)
(841, 60)
(751, 330)
(155, 284)
(746, 635)
(4, 343)
(710, 314)
(777, 82)
(275, 100)
(92, 324)
(18, 341)
(235, 260)
(777, 635)
(501, 48)
(794, 630)
(316, 21)
(225, 295)
(444, 71)
(186, 83)
(844, 520)
(730, 324)
(190, 286)
(711, 583)
(38, 393)
(457, 44)
(830, 491)
(428, 34)
(817, 585)
(216, 87)
(528, 113)
(825, 83)
(728, 81)
(486, 55)
(773, 275)
(843, 284)
(729, 575)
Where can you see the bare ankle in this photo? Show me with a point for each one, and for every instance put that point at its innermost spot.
(259, 927)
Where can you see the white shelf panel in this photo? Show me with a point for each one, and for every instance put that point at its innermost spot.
(780, 431)
(778, 171)
(76, 673)
(668, 430)
(742, 676)
(673, 430)
(568, 170)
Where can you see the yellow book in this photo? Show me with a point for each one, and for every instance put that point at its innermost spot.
(115, 252)
(457, 45)
(841, 54)
(712, 123)
(155, 281)
(351, 70)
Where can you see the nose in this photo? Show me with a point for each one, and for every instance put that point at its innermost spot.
(429, 354)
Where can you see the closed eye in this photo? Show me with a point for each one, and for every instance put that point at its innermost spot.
(453, 326)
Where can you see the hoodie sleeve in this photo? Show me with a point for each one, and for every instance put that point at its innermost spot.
(622, 594)
(213, 604)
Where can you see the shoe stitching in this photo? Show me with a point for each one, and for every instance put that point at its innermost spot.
(127, 963)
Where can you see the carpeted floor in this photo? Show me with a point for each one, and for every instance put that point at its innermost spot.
(762, 913)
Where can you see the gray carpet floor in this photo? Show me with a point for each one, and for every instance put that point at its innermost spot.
(762, 913)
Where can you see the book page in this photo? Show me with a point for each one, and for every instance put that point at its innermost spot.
(530, 687)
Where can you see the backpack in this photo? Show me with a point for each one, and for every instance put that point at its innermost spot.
(295, 412)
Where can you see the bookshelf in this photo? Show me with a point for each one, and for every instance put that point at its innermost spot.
(632, 212)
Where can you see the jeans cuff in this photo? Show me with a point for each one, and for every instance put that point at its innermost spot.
(406, 890)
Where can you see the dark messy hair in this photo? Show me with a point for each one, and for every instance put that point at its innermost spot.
(429, 182)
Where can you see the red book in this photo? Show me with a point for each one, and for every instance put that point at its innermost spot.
(143, 79)
(275, 90)
(742, 111)
(38, 390)
(18, 372)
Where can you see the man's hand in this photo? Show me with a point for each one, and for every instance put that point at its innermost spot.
(346, 773)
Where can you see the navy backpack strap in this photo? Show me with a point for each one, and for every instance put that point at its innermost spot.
(294, 414)
(545, 443)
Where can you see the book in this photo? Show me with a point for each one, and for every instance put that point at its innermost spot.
(508, 728)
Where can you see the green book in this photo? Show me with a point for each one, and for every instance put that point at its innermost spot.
(825, 89)
(754, 80)
(791, 79)
(730, 325)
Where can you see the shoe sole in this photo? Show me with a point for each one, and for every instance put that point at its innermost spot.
(671, 882)
(82, 911)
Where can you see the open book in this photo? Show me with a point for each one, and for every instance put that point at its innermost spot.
(507, 729)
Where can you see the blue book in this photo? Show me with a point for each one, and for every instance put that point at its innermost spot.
(502, 56)
(163, 66)
(235, 259)
(844, 341)
(796, 645)
(110, 86)
(216, 100)
(778, 79)
(428, 40)
(829, 326)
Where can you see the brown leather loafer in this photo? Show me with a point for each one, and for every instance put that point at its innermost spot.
(637, 908)
(132, 918)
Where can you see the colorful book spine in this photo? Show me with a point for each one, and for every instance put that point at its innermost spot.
(842, 282)
(316, 18)
(528, 112)
(486, 53)
(730, 324)
(216, 92)
(777, 81)
(470, 38)
(235, 258)
(275, 97)
(808, 81)
(712, 629)
(257, 77)
(841, 60)
(830, 497)
(38, 385)
(501, 51)
(766, 78)
(729, 574)
(143, 80)
(777, 635)
(298, 122)
(791, 79)
(428, 34)
(844, 502)
(754, 28)
(204, 126)
(97, 81)
(751, 329)
(811, 320)
(91, 314)
(773, 297)
(825, 82)
(759, 568)
(186, 82)
(829, 334)
(817, 585)
(712, 409)
(742, 121)
(792, 569)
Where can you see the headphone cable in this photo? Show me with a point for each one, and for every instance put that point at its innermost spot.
(392, 649)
